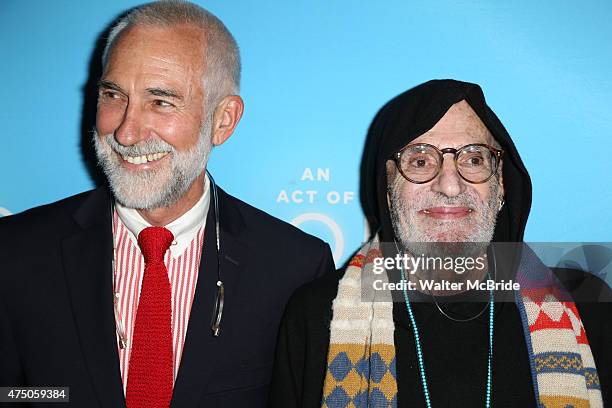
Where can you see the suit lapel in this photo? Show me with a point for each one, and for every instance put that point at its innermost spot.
(202, 350)
(87, 257)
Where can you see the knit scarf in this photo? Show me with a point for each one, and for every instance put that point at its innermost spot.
(361, 365)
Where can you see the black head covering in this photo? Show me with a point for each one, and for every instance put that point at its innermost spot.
(414, 112)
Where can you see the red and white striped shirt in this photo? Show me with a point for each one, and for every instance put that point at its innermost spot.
(182, 261)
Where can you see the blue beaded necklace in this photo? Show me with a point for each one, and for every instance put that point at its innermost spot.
(419, 351)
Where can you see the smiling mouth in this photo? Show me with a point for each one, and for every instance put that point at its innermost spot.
(145, 158)
(446, 212)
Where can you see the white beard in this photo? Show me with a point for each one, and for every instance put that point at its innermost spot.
(161, 187)
(418, 234)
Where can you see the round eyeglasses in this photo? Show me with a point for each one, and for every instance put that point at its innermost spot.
(421, 163)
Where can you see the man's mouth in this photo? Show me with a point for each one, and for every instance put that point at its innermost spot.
(446, 212)
(145, 158)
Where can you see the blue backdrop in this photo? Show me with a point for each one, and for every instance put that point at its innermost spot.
(314, 74)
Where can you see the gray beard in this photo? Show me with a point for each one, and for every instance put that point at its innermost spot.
(440, 238)
(158, 188)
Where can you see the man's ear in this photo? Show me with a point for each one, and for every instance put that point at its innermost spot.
(226, 117)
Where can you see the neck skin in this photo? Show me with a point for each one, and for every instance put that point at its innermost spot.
(448, 275)
(162, 216)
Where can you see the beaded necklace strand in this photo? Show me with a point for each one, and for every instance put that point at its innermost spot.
(419, 351)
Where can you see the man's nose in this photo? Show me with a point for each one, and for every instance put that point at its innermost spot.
(132, 129)
(448, 181)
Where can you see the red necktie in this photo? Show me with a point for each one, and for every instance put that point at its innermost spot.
(150, 373)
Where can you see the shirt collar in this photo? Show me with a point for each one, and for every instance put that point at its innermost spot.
(184, 228)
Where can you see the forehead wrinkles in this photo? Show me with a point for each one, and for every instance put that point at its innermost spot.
(181, 47)
(460, 118)
(459, 126)
(475, 126)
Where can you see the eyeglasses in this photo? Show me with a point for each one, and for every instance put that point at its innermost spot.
(421, 163)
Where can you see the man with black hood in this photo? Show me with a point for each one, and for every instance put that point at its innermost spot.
(338, 348)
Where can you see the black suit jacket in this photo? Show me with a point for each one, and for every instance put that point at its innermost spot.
(57, 326)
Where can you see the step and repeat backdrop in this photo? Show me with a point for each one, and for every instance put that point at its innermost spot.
(314, 75)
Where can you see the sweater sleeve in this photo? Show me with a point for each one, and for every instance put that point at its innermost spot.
(303, 342)
(596, 316)
(594, 303)
(287, 377)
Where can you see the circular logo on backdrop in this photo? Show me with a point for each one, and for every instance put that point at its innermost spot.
(314, 190)
(338, 248)
(4, 212)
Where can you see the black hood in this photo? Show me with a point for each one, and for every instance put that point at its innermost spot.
(413, 113)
